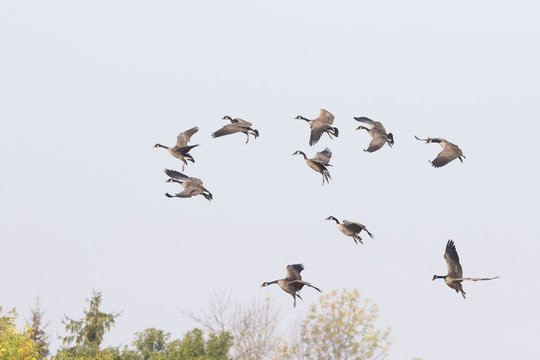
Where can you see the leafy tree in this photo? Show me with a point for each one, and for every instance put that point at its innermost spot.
(15, 344)
(87, 352)
(194, 347)
(253, 326)
(340, 327)
(39, 336)
(90, 329)
(151, 343)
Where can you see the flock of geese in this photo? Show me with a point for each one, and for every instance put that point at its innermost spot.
(293, 282)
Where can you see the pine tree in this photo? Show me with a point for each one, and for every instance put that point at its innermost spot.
(38, 334)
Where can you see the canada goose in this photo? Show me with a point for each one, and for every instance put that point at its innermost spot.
(351, 229)
(180, 150)
(192, 186)
(320, 125)
(319, 162)
(455, 274)
(293, 283)
(449, 152)
(236, 125)
(377, 132)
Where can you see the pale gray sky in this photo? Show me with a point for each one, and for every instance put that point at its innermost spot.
(87, 88)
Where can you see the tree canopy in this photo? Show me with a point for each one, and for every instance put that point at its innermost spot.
(341, 326)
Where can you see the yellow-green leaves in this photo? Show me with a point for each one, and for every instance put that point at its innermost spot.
(340, 326)
(16, 344)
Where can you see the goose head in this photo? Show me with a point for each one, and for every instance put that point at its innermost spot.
(332, 218)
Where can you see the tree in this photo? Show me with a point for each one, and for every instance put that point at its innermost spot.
(253, 326)
(15, 344)
(90, 329)
(38, 334)
(341, 327)
(194, 347)
(151, 343)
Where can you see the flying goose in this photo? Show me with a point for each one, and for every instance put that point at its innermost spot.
(319, 162)
(181, 150)
(293, 283)
(377, 132)
(455, 274)
(351, 229)
(192, 186)
(236, 125)
(320, 125)
(449, 152)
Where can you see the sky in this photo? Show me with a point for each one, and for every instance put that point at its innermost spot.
(87, 89)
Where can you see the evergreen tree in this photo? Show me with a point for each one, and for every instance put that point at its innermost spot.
(38, 334)
(90, 329)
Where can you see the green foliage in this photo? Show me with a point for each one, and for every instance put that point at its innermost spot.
(89, 351)
(340, 326)
(194, 347)
(151, 343)
(92, 327)
(16, 344)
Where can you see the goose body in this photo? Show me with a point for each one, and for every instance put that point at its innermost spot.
(192, 186)
(292, 283)
(181, 149)
(322, 124)
(377, 132)
(351, 229)
(455, 274)
(449, 152)
(236, 125)
(319, 162)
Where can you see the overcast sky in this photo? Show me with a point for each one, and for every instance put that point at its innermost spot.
(87, 88)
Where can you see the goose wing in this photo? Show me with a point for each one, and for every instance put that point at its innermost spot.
(376, 143)
(477, 279)
(227, 130)
(452, 260)
(370, 122)
(189, 191)
(241, 123)
(356, 227)
(184, 149)
(179, 176)
(317, 129)
(323, 157)
(183, 138)
(448, 154)
(299, 284)
(325, 117)
(293, 272)
(176, 175)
